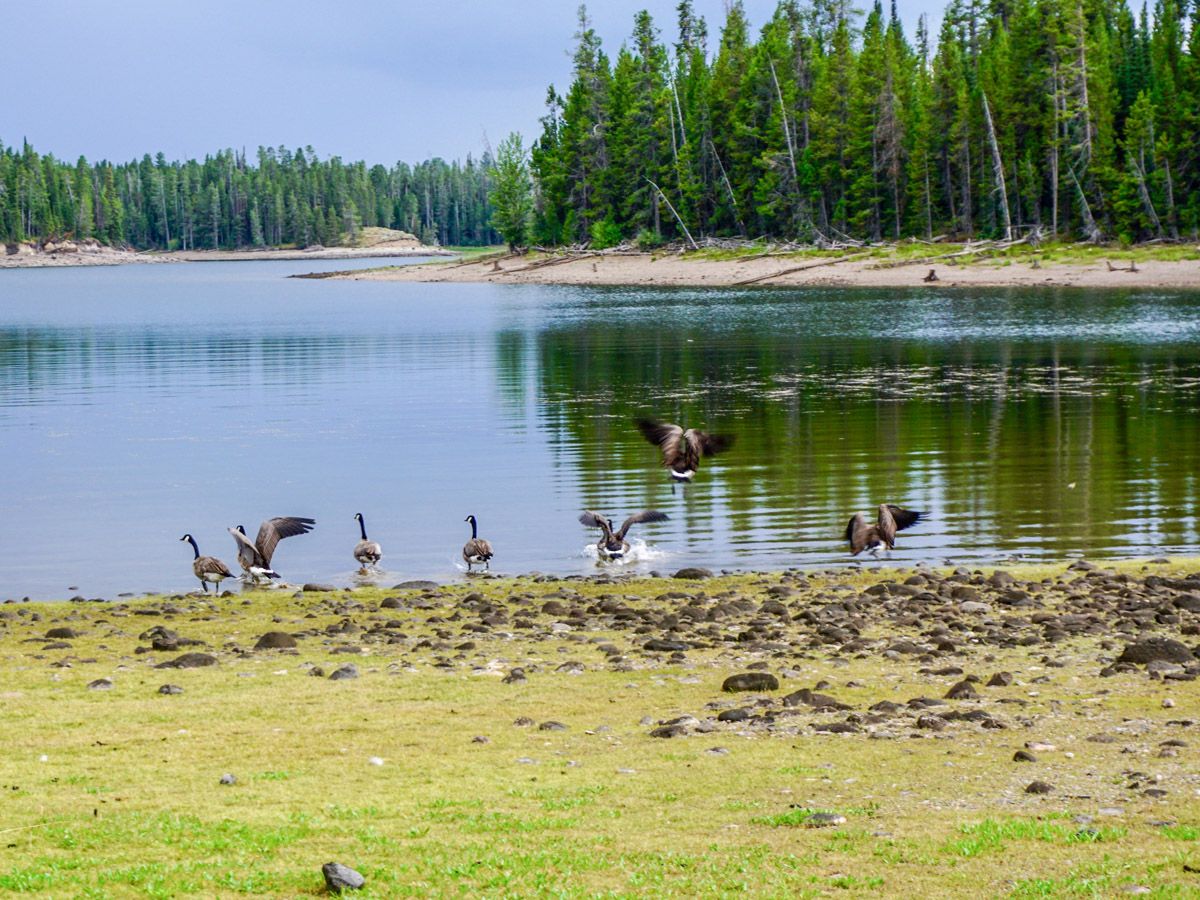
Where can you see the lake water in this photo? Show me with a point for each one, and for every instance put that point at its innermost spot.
(141, 402)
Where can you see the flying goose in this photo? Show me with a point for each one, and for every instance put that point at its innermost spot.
(207, 568)
(368, 553)
(881, 536)
(681, 450)
(476, 550)
(612, 544)
(256, 557)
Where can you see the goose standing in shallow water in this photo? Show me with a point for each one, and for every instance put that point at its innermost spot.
(476, 550)
(682, 450)
(612, 544)
(207, 568)
(367, 552)
(880, 537)
(255, 557)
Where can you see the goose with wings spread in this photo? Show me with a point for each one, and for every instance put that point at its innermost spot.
(682, 449)
(612, 544)
(256, 557)
(881, 536)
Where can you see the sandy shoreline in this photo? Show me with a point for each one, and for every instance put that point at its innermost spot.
(108, 256)
(676, 270)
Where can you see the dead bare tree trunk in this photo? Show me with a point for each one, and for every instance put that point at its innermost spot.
(729, 187)
(665, 200)
(998, 166)
(1091, 229)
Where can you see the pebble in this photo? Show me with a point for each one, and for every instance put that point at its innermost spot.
(750, 681)
(375, 760)
(340, 878)
(824, 820)
(228, 778)
(100, 684)
(170, 689)
(1039, 787)
(342, 673)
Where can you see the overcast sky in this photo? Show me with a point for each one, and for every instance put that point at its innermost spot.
(375, 80)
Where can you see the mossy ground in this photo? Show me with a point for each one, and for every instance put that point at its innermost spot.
(115, 793)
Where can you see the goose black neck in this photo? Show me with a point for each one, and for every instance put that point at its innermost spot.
(192, 541)
(362, 526)
(474, 529)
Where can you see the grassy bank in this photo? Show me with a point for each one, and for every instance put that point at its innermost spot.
(434, 775)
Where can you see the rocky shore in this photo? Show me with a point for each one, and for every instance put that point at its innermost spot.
(912, 714)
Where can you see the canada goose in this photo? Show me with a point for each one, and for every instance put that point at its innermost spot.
(256, 557)
(681, 450)
(368, 553)
(881, 536)
(476, 550)
(207, 568)
(612, 545)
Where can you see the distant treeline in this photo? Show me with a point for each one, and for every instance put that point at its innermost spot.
(1073, 117)
(226, 201)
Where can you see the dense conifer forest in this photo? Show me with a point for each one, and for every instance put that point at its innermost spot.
(281, 197)
(1067, 118)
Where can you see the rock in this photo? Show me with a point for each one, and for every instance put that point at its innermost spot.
(189, 661)
(170, 689)
(824, 820)
(340, 878)
(669, 731)
(552, 726)
(1156, 649)
(319, 588)
(275, 640)
(516, 676)
(750, 681)
(415, 586)
(693, 573)
(964, 690)
(100, 684)
(817, 701)
(228, 778)
(1000, 679)
(1024, 756)
(374, 760)
(481, 739)
(660, 646)
(63, 634)
(733, 715)
(1039, 787)
(343, 673)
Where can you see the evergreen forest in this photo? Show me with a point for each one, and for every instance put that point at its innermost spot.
(281, 198)
(1072, 119)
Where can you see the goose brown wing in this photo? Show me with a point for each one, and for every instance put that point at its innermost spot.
(667, 437)
(905, 518)
(704, 444)
(646, 515)
(210, 565)
(857, 531)
(246, 549)
(592, 519)
(477, 548)
(272, 531)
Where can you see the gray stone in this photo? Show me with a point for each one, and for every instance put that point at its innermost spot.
(342, 673)
(319, 588)
(1156, 649)
(228, 779)
(275, 640)
(170, 689)
(750, 681)
(340, 878)
(1039, 787)
(100, 684)
(189, 661)
(694, 573)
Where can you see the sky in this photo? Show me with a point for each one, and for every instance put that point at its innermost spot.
(378, 80)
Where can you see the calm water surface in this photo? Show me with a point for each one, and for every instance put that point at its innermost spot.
(140, 402)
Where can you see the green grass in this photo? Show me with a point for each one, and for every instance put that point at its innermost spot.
(127, 803)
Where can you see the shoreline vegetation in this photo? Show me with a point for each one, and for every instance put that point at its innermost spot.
(896, 730)
(981, 264)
